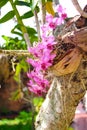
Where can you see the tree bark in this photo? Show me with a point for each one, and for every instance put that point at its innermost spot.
(57, 111)
(69, 81)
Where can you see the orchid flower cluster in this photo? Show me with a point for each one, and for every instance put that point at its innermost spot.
(42, 53)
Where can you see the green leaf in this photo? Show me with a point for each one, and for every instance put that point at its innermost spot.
(3, 2)
(5, 37)
(49, 0)
(27, 15)
(13, 44)
(17, 33)
(18, 30)
(33, 34)
(34, 4)
(33, 39)
(18, 69)
(31, 31)
(22, 3)
(22, 65)
(17, 27)
(16, 95)
(7, 17)
(38, 101)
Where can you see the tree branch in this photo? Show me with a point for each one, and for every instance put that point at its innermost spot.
(15, 52)
(57, 111)
(79, 9)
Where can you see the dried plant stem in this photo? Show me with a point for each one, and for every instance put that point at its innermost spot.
(37, 24)
(15, 52)
(43, 8)
(78, 8)
(56, 2)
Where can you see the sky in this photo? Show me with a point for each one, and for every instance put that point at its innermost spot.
(5, 28)
(70, 9)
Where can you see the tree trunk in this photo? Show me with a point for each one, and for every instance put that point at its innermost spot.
(69, 80)
(57, 111)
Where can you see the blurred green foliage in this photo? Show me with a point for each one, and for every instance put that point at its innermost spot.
(18, 43)
(22, 122)
(37, 101)
(13, 43)
(25, 120)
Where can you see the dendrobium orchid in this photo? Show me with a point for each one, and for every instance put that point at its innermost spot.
(42, 53)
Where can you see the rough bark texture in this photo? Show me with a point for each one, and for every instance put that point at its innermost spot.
(65, 93)
(69, 81)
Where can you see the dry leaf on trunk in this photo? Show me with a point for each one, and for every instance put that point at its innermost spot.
(68, 64)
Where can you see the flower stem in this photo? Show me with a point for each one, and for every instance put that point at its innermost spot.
(37, 24)
(43, 8)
